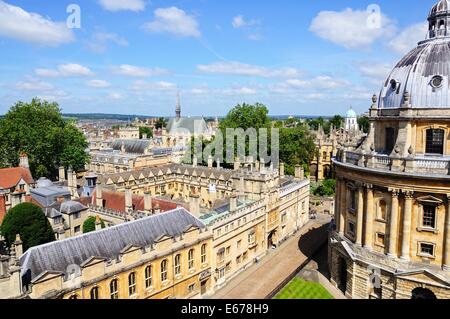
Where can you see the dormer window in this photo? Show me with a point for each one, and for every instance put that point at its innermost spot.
(436, 81)
(393, 85)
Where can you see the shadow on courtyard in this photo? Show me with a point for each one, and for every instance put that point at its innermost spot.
(313, 245)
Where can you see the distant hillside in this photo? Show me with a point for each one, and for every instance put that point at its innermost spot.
(122, 117)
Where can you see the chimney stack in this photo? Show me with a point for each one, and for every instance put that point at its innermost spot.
(281, 169)
(148, 203)
(194, 204)
(98, 223)
(210, 161)
(299, 172)
(233, 202)
(237, 164)
(218, 163)
(128, 200)
(69, 178)
(18, 247)
(23, 160)
(62, 174)
(194, 161)
(99, 195)
(74, 185)
(262, 167)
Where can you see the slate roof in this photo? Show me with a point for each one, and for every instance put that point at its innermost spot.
(10, 177)
(131, 146)
(226, 174)
(192, 125)
(106, 243)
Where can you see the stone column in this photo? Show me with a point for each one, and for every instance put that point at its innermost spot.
(446, 265)
(368, 239)
(343, 207)
(360, 215)
(393, 224)
(406, 232)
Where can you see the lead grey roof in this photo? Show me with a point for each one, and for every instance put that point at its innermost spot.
(131, 146)
(70, 207)
(192, 125)
(107, 243)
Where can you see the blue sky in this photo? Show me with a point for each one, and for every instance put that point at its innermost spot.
(131, 56)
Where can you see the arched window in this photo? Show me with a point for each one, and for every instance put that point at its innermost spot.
(164, 270)
(382, 207)
(177, 264)
(435, 141)
(203, 253)
(94, 293)
(148, 276)
(132, 283)
(114, 289)
(191, 259)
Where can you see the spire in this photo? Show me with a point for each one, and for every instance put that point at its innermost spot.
(178, 108)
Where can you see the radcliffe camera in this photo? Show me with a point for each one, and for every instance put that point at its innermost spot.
(220, 159)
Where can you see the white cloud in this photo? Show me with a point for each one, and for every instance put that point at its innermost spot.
(175, 21)
(350, 28)
(240, 22)
(313, 86)
(136, 71)
(236, 68)
(115, 96)
(18, 24)
(99, 84)
(47, 73)
(65, 70)
(408, 38)
(122, 5)
(34, 86)
(161, 85)
(374, 70)
(99, 41)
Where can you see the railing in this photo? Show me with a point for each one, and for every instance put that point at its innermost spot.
(417, 164)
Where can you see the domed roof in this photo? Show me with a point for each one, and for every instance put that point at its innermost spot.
(351, 113)
(44, 182)
(424, 73)
(440, 7)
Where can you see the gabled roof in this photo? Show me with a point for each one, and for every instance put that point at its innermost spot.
(116, 201)
(107, 243)
(10, 177)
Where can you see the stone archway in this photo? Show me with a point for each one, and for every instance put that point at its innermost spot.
(423, 293)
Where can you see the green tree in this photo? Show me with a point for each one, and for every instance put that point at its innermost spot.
(337, 121)
(145, 130)
(326, 188)
(39, 130)
(296, 147)
(364, 124)
(89, 224)
(29, 221)
(160, 123)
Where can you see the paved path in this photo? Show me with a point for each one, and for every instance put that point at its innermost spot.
(258, 281)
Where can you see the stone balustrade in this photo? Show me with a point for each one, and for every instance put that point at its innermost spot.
(418, 164)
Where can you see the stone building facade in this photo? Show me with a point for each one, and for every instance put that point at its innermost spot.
(392, 237)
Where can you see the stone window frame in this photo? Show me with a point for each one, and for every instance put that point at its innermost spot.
(383, 245)
(435, 127)
(421, 254)
(353, 189)
(428, 201)
(378, 216)
(352, 235)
